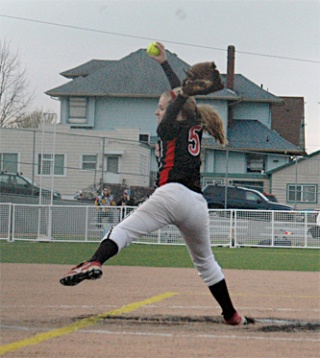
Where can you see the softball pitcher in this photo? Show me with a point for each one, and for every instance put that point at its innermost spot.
(178, 199)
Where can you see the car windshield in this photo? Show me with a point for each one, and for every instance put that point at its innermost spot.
(257, 193)
(30, 181)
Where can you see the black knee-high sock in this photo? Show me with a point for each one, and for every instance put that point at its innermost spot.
(221, 294)
(105, 251)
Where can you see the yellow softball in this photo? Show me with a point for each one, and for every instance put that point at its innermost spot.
(152, 49)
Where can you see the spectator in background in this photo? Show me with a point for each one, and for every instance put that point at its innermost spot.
(103, 203)
(79, 195)
(126, 200)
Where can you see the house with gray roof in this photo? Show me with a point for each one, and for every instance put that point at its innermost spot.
(103, 95)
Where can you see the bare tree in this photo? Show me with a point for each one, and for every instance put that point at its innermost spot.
(35, 118)
(14, 97)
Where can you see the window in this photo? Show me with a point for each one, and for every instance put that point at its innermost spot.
(256, 163)
(47, 164)
(20, 182)
(143, 164)
(236, 194)
(9, 162)
(252, 196)
(210, 181)
(89, 162)
(153, 178)
(144, 138)
(303, 193)
(113, 164)
(77, 110)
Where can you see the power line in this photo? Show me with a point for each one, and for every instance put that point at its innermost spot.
(152, 39)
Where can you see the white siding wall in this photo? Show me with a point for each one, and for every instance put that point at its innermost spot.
(275, 161)
(73, 144)
(307, 172)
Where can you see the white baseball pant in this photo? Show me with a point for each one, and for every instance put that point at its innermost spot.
(174, 204)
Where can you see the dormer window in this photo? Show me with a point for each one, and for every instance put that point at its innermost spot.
(77, 110)
(256, 163)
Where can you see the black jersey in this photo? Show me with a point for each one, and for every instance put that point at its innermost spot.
(179, 148)
(179, 143)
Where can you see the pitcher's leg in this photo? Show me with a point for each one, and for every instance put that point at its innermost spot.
(195, 231)
(211, 273)
(201, 254)
(147, 218)
(152, 215)
(196, 234)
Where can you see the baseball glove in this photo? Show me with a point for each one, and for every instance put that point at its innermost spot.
(202, 78)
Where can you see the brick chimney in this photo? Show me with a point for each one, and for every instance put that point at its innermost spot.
(230, 80)
(230, 69)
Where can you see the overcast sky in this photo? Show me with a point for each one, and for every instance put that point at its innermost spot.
(277, 41)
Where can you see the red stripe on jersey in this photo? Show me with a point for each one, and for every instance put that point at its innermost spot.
(173, 95)
(169, 162)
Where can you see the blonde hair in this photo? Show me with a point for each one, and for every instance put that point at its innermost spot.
(209, 117)
(212, 123)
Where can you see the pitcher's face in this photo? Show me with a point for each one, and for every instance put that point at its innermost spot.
(162, 107)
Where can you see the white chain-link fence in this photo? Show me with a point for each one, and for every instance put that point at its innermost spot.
(234, 228)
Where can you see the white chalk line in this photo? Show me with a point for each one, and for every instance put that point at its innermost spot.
(149, 334)
(241, 294)
(250, 308)
(273, 309)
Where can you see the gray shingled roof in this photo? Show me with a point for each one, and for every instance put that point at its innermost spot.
(139, 75)
(246, 89)
(253, 135)
(80, 86)
(87, 68)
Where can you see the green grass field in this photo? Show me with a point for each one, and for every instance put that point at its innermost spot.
(161, 256)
